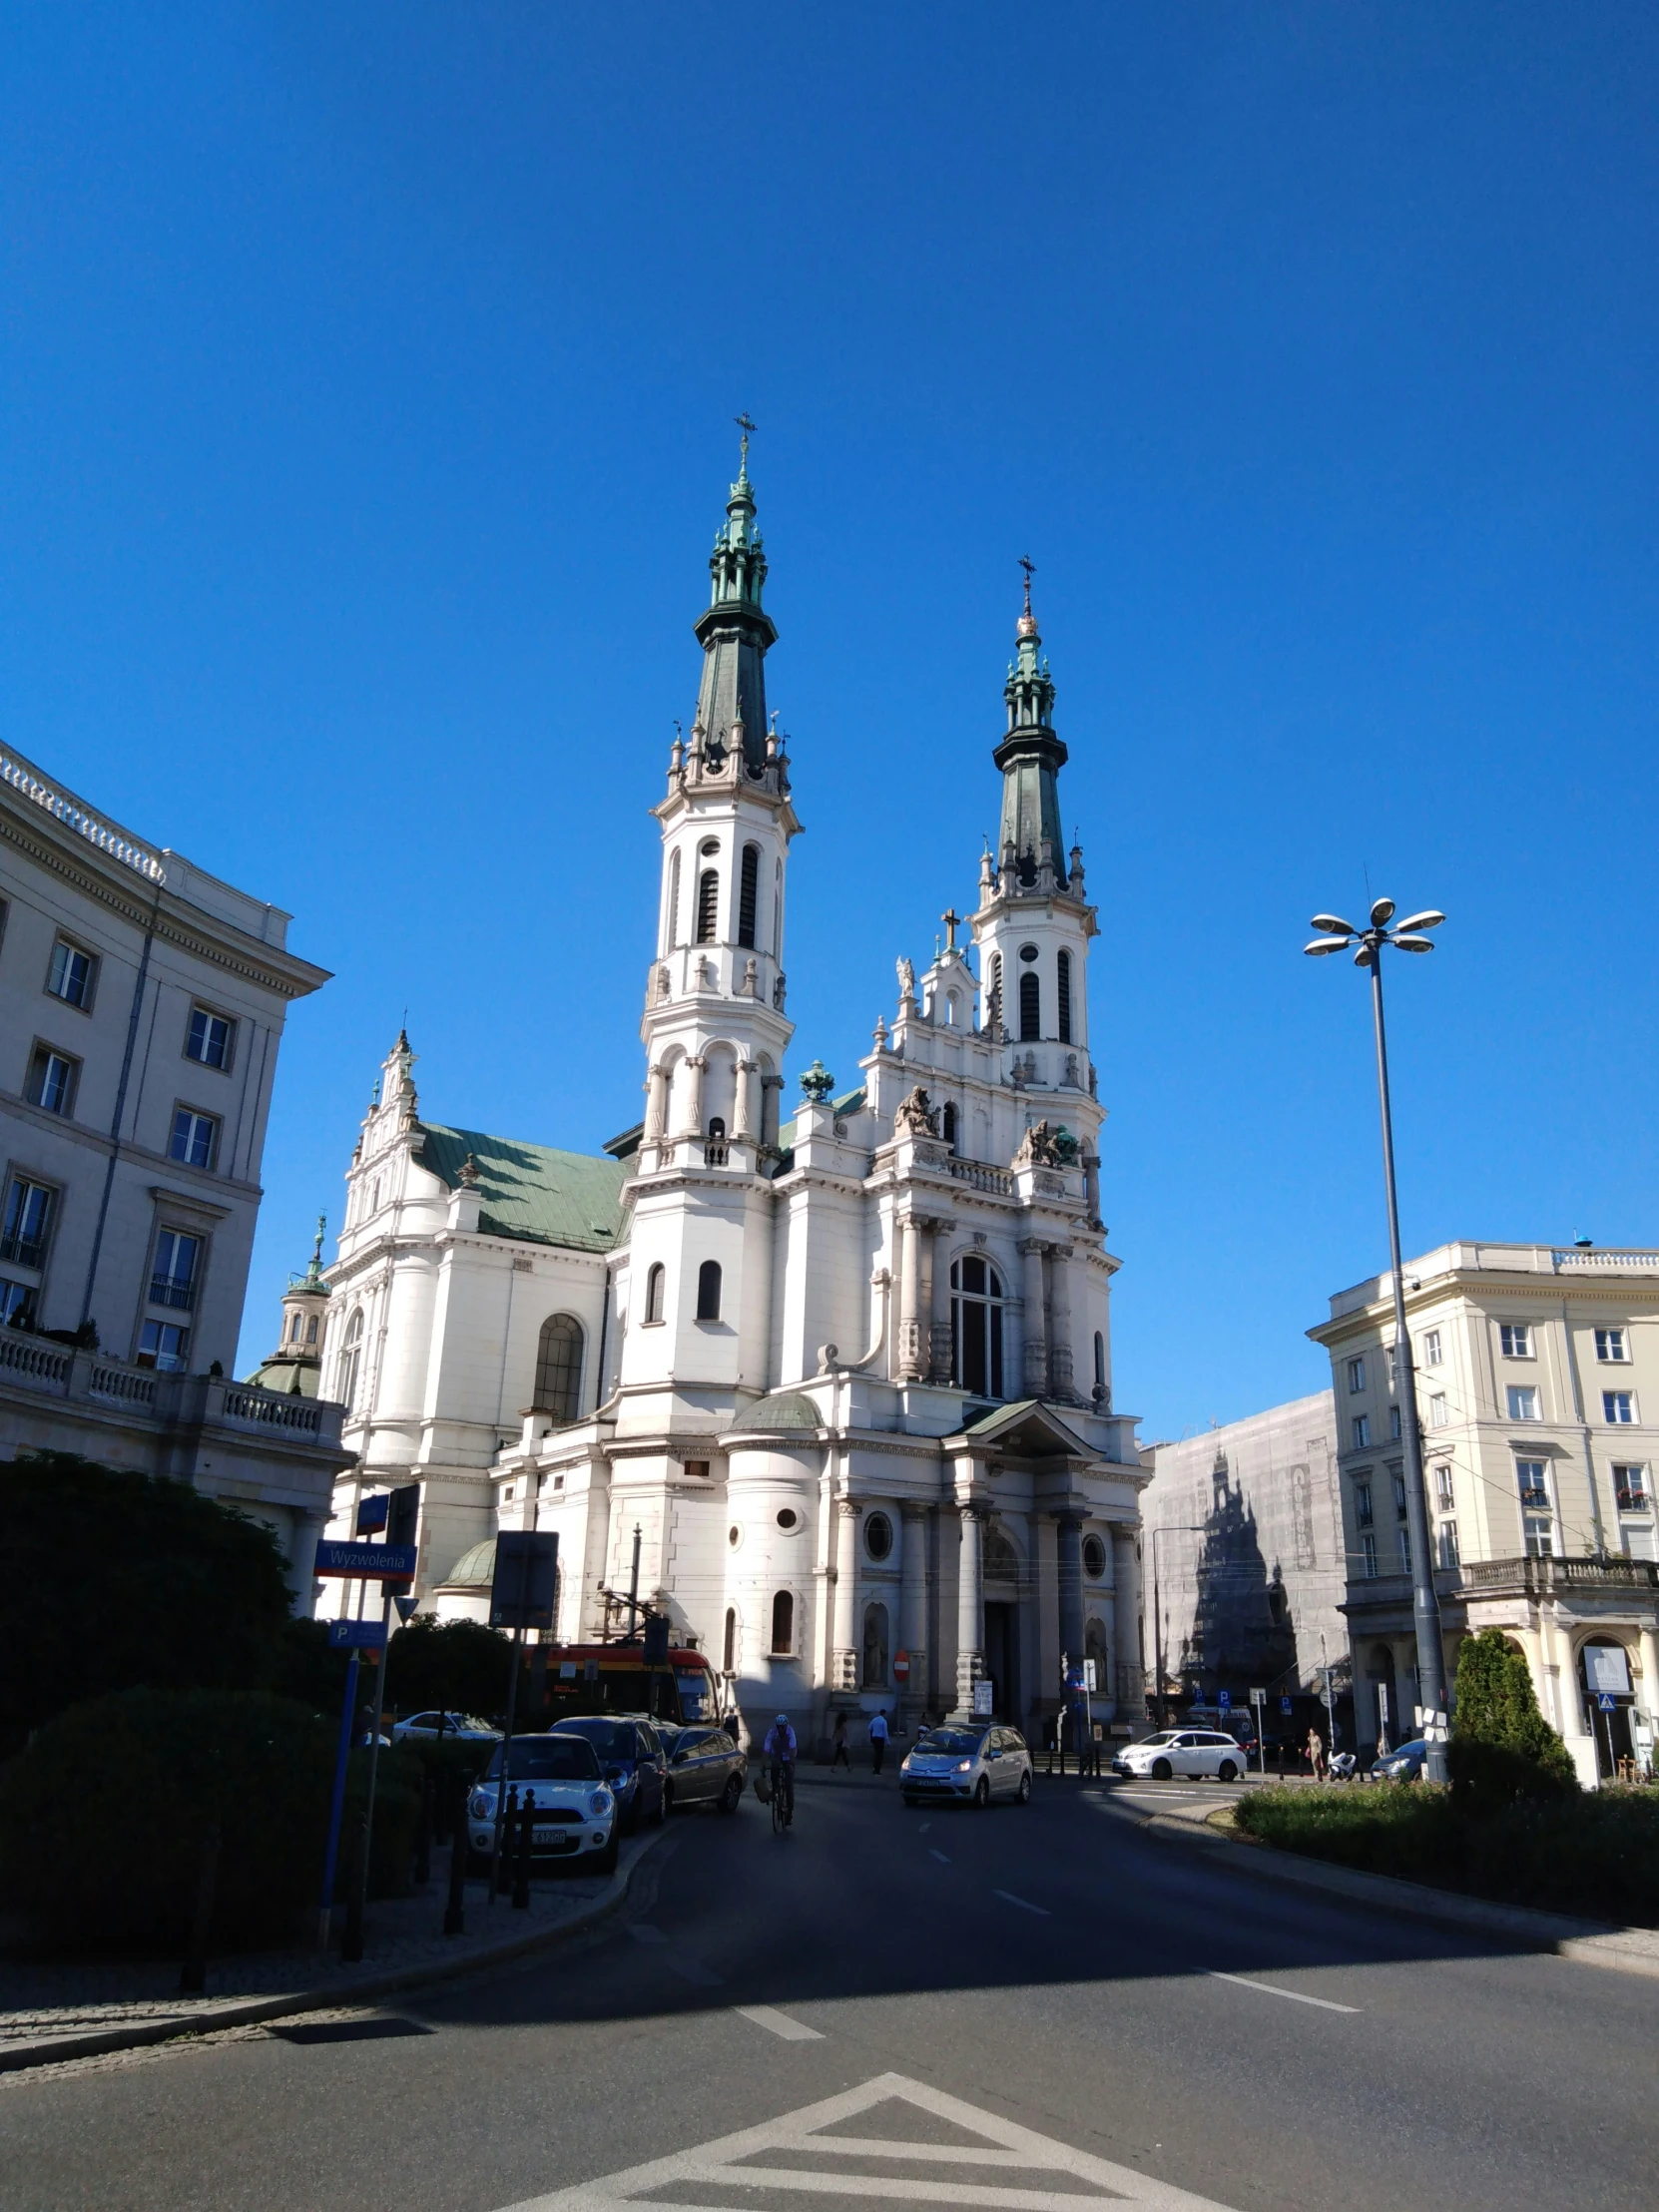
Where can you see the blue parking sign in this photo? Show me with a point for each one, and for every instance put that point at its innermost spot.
(1224, 1701)
(1284, 1705)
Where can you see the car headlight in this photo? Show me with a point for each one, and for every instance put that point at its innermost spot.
(964, 1766)
(480, 1806)
(600, 1803)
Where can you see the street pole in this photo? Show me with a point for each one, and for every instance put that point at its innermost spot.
(325, 1911)
(1425, 1604)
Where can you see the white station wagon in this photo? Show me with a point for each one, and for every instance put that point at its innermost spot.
(1192, 1752)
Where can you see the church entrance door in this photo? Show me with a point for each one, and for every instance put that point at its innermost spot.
(1002, 1659)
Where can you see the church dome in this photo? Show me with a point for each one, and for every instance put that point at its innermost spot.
(788, 1410)
(475, 1569)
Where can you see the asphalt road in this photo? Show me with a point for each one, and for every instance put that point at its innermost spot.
(1029, 2009)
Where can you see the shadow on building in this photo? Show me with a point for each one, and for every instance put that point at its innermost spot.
(1243, 1635)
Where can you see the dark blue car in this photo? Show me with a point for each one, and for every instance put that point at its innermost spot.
(631, 1755)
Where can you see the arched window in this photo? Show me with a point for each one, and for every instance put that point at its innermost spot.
(654, 1291)
(1030, 1008)
(976, 1326)
(559, 1367)
(952, 1007)
(729, 1649)
(1099, 1365)
(949, 1124)
(294, 1328)
(350, 1361)
(1094, 1647)
(748, 891)
(671, 930)
(708, 1291)
(311, 1331)
(708, 905)
(876, 1647)
(778, 909)
(1063, 971)
(783, 1625)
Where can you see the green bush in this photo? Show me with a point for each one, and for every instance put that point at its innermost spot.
(103, 1817)
(1595, 1853)
(1503, 1750)
(446, 1666)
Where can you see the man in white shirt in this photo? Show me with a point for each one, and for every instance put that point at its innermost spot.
(878, 1740)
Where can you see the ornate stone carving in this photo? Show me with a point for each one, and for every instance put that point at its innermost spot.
(816, 1084)
(907, 979)
(1046, 1145)
(913, 1115)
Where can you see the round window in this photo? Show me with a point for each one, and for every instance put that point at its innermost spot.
(1094, 1557)
(1028, 952)
(878, 1536)
(788, 1518)
(734, 1535)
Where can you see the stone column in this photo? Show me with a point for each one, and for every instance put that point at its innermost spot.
(843, 1653)
(911, 1363)
(743, 1119)
(655, 1110)
(1059, 1339)
(691, 1124)
(940, 1327)
(770, 1087)
(1648, 1638)
(913, 1605)
(1069, 1553)
(1091, 1187)
(1131, 1672)
(970, 1606)
(1036, 1331)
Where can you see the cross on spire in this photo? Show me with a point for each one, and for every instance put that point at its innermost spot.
(1030, 567)
(747, 427)
(952, 921)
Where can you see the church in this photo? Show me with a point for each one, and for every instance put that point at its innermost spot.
(843, 1371)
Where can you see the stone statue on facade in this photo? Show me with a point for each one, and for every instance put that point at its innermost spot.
(907, 979)
(1045, 1146)
(914, 1117)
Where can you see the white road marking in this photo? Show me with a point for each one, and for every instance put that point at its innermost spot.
(642, 1932)
(1042, 2163)
(693, 1970)
(925, 1826)
(1295, 1996)
(768, 2015)
(1008, 1897)
(940, 1857)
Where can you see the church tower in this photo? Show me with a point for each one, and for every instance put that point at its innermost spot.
(713, 1026)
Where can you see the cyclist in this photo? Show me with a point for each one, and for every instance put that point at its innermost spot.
(779, 1748)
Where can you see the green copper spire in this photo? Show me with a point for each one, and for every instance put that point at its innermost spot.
(733, 629)
(1030, 757)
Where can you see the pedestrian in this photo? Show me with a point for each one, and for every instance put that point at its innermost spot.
(878, 1741)
(838, 1746)
(1316, 1753)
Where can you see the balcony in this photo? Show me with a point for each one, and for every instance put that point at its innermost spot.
(167, 1290)
(1553, 1577)
(1635, 1501)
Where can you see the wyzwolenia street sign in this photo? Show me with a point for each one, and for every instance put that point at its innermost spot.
(368, 1563)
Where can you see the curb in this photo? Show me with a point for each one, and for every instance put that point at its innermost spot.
(1586, 1943)
(252, 2012)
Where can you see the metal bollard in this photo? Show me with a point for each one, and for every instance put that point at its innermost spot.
(504, 1844)
(526, 1838)
(455, 1911)
(193, 1976)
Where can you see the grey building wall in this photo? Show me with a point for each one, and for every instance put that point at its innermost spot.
(1250, 1568)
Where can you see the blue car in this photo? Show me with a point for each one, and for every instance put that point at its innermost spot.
(631, 1755)
(1404, 1765)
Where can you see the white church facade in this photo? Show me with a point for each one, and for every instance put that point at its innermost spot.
(848, 1375)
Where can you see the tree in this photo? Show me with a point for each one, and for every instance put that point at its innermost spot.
(1501, 1746)
(450, 1666)
(115, 1580)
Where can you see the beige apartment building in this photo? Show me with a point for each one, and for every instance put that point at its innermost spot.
(1538, 1373)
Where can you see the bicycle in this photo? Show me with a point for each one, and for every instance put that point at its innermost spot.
(783, 1795)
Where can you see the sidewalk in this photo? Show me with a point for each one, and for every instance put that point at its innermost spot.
(53, 2009)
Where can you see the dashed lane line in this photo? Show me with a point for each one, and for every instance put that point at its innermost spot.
(940, 1857)
(1008, 1897)
(779, 2024)
(1297, 1996)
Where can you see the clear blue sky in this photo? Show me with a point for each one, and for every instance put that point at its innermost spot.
(368, 377)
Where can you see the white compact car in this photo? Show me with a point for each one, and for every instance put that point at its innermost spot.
(970, 1766)
(1193, 1752)
(575, 1810)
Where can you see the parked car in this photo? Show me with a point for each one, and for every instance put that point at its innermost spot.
(575, 1807)
(1404, 1765)
(705, 1767)
(967, 1766)
(452, 1726)
(1189, 1752)
(635, 1765)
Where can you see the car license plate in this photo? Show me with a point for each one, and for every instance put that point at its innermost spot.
(555, 1838)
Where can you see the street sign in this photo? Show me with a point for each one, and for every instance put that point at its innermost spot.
(1606, 1702)
(371, 1514)
(526, 1571)
(367, 1562)
(356, 1635)
(984, 1697)
(1284, 1705)
(1224, 1701)
(901, 1666)
(405, 1605)
(1091, 1672)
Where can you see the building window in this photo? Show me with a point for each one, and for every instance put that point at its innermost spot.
(1437, 1413)
(294, 1328)
(708, 905)
(878, 1537)
(1523, 1401)
(671, 933)
(559, 1367)
(949, 1124)
(173, 1278)
(311, 1331)
(1398, 1479)
(349, 1361)
(708, 1291)
(28, 1219)
(654, 1282)
(1063, 991)
(1516, 1340)
(1631, 1485)
(1394, 1425)
(71, 974)
(876, 1647)
(1442, 1488)
(1361, 1505)
(1392, 1353)
(1619, 1407)
(1432, 1347)
(783, 1625)
(748, 882)
(1356, 1376)
(162, 1345)
(1030, 1008)
(1361, 1431)
(1537, 1518)
(1099, 1367)
(194, 1136)
(976, 1327)
(1368, 1557)
(1404, 1548)
(210, 1039)
(17, 1305)
(1094, 1556)
(51, 1080)
(1447, 1547)
(728, 1643)
(1610, 1344)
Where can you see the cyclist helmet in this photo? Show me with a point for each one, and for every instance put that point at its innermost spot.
(783, 1720)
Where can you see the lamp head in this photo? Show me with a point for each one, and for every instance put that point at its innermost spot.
(1381, 914)
(1333, 925)
(1329, 944)
(1429, 919)
(1405, 942)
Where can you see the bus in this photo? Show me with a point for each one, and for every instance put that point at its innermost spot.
(614, 1678)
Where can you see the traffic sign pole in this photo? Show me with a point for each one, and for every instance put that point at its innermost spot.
(325, 1913)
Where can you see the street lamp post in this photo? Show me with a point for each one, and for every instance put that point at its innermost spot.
(1406, 936)
(1168, 1528)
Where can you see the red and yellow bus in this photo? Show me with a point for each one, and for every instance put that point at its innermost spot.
(614, 1678)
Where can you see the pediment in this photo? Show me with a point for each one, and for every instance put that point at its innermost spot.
(1026, 1429)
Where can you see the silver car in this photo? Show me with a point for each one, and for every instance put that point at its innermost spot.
(967, 1766)
(1193, 1752)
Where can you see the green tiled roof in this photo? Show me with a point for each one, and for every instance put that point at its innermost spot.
(531, 1192)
